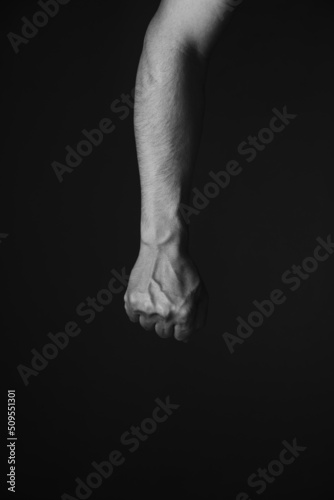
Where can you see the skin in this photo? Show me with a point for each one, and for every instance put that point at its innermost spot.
(165, 291)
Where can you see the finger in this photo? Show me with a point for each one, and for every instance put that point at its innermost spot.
(164, 330)
(181, 333)
(146, 322)
(198, 323)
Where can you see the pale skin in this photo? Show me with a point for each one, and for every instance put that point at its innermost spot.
(165, 291)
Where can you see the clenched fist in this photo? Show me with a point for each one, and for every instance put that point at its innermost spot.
(165, 293)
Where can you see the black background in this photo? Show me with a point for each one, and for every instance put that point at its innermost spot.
(65, 238)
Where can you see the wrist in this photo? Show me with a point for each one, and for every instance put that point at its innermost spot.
(164, 232)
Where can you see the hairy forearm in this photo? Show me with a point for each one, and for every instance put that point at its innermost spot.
(169, 106)
(165, 290)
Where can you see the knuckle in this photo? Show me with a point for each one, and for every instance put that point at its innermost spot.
(133, 300)
(183, 315)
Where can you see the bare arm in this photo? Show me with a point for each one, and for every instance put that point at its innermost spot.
(165, 291)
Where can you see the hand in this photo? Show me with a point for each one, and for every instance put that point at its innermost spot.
(165, 293)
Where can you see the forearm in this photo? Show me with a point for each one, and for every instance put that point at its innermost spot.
(169, 106)
(165, 290)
